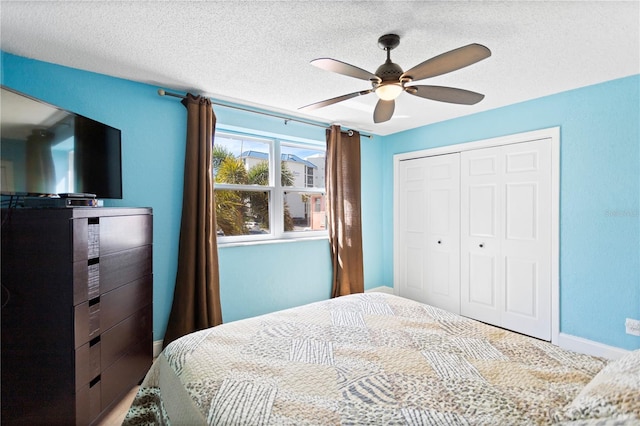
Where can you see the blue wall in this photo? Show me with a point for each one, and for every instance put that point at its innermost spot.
(599, 196)
(253, 279)
(600, 193)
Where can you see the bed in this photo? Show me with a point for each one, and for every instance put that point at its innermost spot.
(376, 358)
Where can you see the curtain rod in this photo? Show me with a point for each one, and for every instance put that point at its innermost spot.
(163, 92)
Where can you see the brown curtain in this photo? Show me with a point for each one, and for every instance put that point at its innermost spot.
(196, 298)
(343, 211)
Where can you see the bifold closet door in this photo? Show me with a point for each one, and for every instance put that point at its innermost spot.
(429, 240)
(505, 236)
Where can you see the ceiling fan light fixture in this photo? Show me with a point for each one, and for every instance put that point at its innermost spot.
(389, 91)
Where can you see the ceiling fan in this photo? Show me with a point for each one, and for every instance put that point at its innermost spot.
(389, 80)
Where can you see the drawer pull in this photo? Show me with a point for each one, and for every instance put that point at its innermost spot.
(94, 382)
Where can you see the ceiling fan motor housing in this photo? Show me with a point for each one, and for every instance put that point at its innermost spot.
(389, 71)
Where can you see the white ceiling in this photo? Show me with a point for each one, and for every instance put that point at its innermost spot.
(257, 52)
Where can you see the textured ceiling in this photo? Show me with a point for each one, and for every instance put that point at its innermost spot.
(257, 53)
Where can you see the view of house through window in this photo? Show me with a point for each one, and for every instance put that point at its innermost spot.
(251, 203)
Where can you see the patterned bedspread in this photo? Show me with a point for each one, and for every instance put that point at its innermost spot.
(370, 358)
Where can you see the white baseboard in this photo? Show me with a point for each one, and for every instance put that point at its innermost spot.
(589, 347)
(381, 289)
(157, 347)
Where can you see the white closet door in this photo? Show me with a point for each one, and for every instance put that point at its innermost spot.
(506, 236)
(412, 229)
(526, 243)
(443, 232)
(429, 231)
(480, 267)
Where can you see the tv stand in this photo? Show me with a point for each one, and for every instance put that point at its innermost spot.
(77, 311)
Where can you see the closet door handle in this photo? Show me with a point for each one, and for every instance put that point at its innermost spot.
(439, 242)
(481, 245)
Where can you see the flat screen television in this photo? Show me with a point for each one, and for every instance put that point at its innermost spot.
(46, 150)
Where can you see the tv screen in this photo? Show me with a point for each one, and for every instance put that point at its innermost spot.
(46, 150)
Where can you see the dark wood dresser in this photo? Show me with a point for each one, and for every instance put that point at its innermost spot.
(77, 288)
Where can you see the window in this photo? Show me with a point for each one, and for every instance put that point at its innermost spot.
(251, 204)
(309, 177)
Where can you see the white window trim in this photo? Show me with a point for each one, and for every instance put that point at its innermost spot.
(276, 190)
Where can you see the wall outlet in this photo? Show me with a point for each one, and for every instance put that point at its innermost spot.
(632, 326)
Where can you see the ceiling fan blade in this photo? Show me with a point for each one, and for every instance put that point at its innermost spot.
(384, 111)
(337, 99)
(340, 67)
(446, 94)
(448, 61)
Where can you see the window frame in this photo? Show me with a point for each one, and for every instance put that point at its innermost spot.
(274, 188)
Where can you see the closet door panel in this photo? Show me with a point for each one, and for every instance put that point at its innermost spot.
(414, 281)
(483, 203)
(527, 238)
(506, 236)
(521, 287)
(412, 226)
(437, 269)
(481, 264)
(443, 232)
(429, 231)
(521, 211)
(484, 288)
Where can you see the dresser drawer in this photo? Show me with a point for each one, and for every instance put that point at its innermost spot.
(87, 322)
(88, 402)
(120, 338)
(124, 232)
(93, 277)
(86, 280)
(97, 236)
(88, 365)
(126, 372)
(124, 301)
(125, 266)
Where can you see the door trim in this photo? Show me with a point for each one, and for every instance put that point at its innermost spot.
(553, 134)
